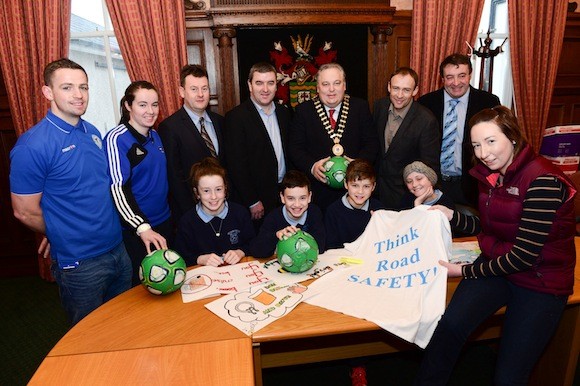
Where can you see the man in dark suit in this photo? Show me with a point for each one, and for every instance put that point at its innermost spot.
(332, 122)
(255, 144)
(407, 132)
(455, 70)
(187, 139)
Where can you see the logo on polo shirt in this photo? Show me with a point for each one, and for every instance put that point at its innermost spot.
(513, 190)
(68, 148)
(97, 141)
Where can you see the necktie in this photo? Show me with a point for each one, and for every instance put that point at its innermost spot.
(449, 129)
(331, 116)
(206, 137)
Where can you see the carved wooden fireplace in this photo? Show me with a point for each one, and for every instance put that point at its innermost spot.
(231, 25)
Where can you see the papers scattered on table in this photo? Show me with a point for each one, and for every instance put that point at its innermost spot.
(464, 252)
(256, 294)
(256, 307)
(205, 282)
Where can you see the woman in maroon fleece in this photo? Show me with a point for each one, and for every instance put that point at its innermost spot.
(526, 231)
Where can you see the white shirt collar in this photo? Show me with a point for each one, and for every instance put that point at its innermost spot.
(291, 221)
(205, 217)
(345, 202)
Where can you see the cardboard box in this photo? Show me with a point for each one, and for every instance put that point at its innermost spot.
(561, 141)
(569, 165)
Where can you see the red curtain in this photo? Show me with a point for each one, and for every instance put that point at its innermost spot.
(536, 37)
(440, 28)
(151, 35)
(32, 34)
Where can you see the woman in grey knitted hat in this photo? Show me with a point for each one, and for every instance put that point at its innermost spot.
(421, 181)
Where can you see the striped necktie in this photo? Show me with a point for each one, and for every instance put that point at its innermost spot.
(206, 137)
(449, 132)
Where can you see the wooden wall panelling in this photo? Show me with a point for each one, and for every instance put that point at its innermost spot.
(575, 111)
(296, 13)
(564, 110)
(388, 55)
(195, 51)
(202, 50)
(565, 104)
(378, 61)
(229, 97)
(400, 47)
(557, 113)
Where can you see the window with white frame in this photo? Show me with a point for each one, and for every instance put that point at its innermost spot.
(495, 20)
(93, 45)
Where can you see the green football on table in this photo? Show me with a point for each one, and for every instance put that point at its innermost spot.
(162, 272)
(297, 253)
(335, 171)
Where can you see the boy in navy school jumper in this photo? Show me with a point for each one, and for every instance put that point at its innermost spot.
(215, 231)
(347, 218)
(296, 213)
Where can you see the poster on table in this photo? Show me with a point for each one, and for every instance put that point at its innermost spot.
(254, 308)
(204, 282)
(400, 286)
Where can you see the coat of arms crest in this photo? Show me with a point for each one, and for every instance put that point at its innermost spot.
(296, 73)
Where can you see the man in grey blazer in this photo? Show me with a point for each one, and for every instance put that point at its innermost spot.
(455, 70)
(407, 132)
(186, 141)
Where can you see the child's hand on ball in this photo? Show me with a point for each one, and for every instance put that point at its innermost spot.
(286, 232)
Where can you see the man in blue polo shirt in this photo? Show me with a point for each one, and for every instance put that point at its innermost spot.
(60, 187)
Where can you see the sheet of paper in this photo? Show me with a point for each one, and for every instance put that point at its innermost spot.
(205, 282)
(254, 308)
(464, 252)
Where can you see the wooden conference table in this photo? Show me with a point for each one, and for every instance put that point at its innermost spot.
(138, 338)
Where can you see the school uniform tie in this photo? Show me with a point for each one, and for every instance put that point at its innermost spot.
(449, 129)
(331, 116)
(206, 137)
